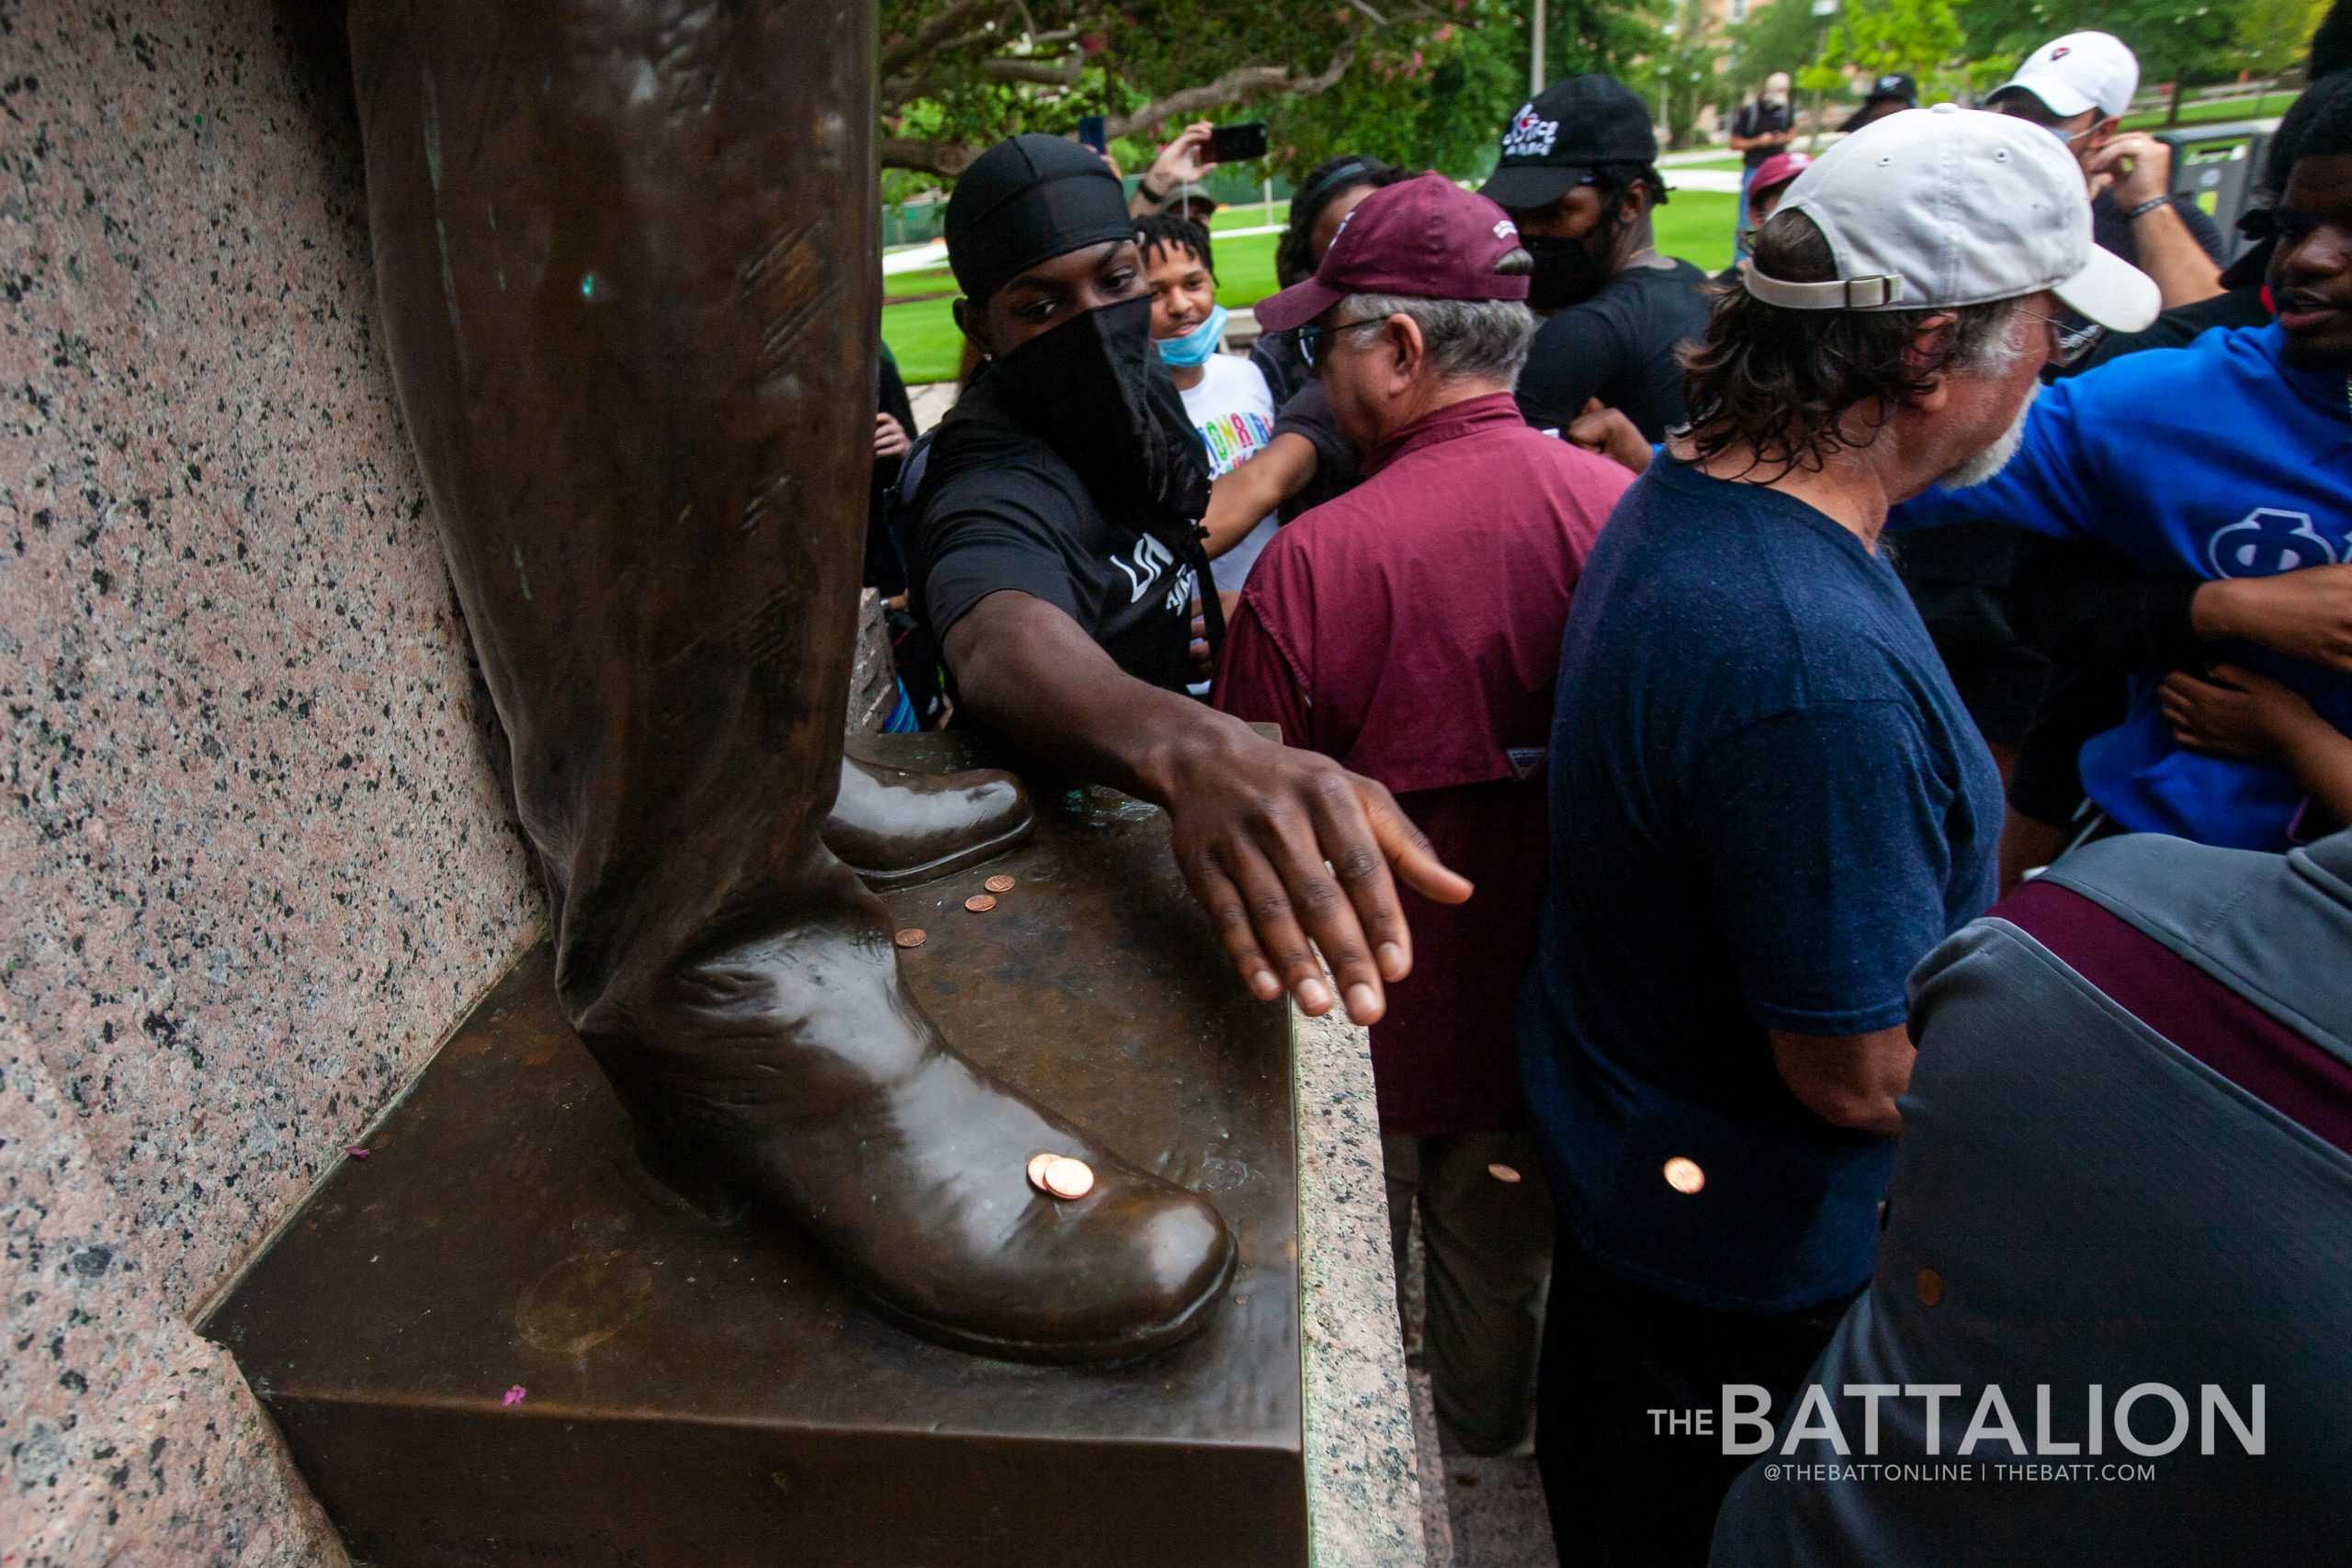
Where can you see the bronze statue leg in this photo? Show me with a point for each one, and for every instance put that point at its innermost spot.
(625, 250)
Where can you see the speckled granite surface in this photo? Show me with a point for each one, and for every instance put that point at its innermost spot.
(251, 860)
(1363, 1493)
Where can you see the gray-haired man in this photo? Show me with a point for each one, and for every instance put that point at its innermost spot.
(1768, 803)
(1408, 629)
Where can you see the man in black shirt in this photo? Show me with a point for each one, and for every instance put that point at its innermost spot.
(1760, 129)
(1055, 558)
(1891, 94)
(1579, 175)
(2077, 87)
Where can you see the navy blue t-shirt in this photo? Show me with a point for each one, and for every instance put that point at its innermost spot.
(1768, 804)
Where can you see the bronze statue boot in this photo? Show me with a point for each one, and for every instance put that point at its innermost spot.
(894, 827)
(793, 1069)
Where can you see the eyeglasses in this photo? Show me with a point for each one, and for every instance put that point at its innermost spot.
(2068, 345)
(1310, 337)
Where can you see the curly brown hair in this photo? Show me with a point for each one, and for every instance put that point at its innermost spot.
(1786, 384)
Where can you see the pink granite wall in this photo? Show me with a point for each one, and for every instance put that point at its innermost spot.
(251, 861)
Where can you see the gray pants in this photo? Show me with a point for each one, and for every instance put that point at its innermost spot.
(1487, 1248)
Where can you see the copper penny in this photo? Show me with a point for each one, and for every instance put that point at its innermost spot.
(1504, 1174)
(1932, 1288)
(1684, 1176)
(979, 903)
(911, 937)
(1037, 1163)
(1067, 1177)
(998, 884)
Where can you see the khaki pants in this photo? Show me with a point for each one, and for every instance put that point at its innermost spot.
(1487, 1247)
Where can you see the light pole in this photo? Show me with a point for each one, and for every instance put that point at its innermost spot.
(1535, 54)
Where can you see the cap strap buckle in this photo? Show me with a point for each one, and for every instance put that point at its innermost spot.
(1873, 293)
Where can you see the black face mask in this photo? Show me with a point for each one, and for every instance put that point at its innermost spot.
(1094, 390)
(1567, 272)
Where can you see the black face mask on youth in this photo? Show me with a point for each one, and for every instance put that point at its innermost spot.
(1569, 272)
(1093, 389)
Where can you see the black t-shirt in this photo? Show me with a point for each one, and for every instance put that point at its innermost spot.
(885, 568)
(1024, 521)
(1278, 360)
(1338, 464)
(2112, 231)
(1759, 119)
(1618, 346)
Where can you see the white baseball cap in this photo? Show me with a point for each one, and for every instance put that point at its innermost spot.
(1948, 205)
(2081, 71)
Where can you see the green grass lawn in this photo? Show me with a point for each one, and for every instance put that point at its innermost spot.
(2262, 107)
(1252, 216)
(1696, 226)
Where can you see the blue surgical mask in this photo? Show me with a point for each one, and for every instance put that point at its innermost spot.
(1195, 347)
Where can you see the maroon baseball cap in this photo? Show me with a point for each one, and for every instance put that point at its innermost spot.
(1425, 238)
(1776, 171)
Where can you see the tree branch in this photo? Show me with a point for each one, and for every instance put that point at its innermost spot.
(1063, 73)
(945, 159)
(1241, 82)
(928, 36)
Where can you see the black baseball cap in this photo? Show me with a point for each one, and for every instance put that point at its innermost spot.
(1892, 88)
(1555, 142)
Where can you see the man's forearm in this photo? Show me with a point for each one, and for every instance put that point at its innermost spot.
(2170, 254)
(1029, 672)
(1243, 497)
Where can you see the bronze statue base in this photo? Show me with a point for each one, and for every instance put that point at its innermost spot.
(493, 1342)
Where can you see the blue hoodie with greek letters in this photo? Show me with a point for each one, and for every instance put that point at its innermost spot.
(2214, 460)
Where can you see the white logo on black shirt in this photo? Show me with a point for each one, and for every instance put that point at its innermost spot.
(1151, 555)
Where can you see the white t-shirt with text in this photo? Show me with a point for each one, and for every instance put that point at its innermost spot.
(1233, 411)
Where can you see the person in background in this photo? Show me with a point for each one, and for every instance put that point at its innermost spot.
(893, 436)
(2126, 1164)
(2078, 88)
(921, 703)
(2099, 619)
(1579, 175)
(2225, 462)
(1762, 821)
(1761, 129)
(1308, 461)
(1962, 577)
(1890, 94)
(1411, 638)
(1180, 166)
(1197, 206)
(1055, 561)
(1765, 188)
(1225, 395)
(1321, 203)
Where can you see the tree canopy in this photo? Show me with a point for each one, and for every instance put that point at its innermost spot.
(1427, 82)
